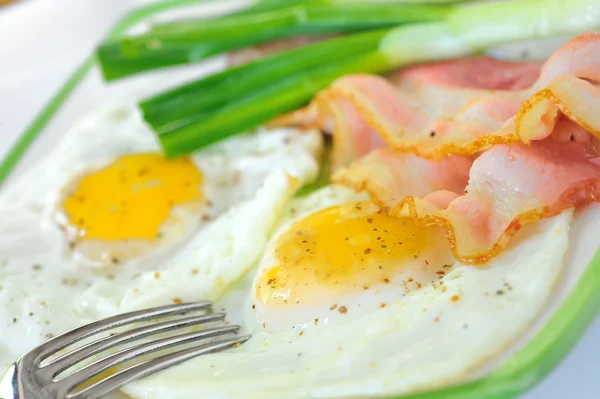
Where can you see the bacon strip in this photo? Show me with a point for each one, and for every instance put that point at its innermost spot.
(477, 72)
(432, 120)
(509, 186)
(540, 146)
(389, 176)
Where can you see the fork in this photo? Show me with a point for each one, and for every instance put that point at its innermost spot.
(32, 378)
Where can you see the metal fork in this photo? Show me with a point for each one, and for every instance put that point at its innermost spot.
(32, 378)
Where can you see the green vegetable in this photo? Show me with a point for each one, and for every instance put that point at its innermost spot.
(466, 30)
(195, 41)
(260, 6)
(220, 89)
(256, 108)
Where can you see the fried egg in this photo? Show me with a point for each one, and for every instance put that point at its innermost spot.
(341, 299)
(117, 199)
(105, 223)
(214, 258)
(389, 338)
(343, 258)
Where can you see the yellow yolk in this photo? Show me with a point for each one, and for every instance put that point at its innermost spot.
(132, 197)
(339, 249)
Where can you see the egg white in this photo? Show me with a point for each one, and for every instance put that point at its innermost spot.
(421, 341)
(45, 290)
(216, 257)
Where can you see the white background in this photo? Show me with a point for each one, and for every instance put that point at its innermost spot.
(41, 43)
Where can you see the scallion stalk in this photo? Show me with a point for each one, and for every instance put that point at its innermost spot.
(253, 110)
(217, 90)
(195, 42)
(260, 6)
(298, 19)
(467, 29)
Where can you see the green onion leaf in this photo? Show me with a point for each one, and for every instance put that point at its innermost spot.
(217, 90)
(253, 110)
(193, 42)
(466, 30)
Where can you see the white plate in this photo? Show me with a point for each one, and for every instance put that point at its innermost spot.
(42, 42)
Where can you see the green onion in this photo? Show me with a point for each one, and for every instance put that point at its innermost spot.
(251, 111)
(260, 6)
(467, 29)
(475, 27)
(299, 19)
(217, 90)
(194, 42)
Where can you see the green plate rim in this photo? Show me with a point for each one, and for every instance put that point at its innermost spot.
(514, 377)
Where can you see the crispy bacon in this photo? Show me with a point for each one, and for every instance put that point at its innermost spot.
(536, 143)
(474, 72)
(509, 186)
(389, 176)
(434, 120)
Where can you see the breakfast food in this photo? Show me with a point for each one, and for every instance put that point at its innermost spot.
(434, 116)
(387, 339)
(365, 297)
(85, 230)
(459, 194)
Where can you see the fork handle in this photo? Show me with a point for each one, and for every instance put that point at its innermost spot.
(17, 384)
(9, 385)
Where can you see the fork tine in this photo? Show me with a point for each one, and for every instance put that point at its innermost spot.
(64, 362)
(70, 337)
(80, 376)
(152, 366)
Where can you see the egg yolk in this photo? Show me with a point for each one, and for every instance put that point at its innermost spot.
(132, 197)
(339, 249)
